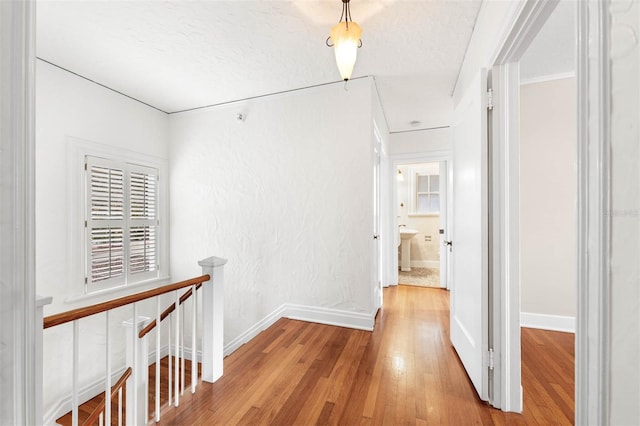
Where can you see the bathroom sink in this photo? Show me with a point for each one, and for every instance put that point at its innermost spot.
(407, 233)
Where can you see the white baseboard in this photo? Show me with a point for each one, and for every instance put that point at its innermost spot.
(425, 263)
(548, 322)
(254, 330)
(319, 315)
(360, 321)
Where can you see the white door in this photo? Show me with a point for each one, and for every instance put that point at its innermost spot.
(469, 247)
(443, 226)
(377, 263)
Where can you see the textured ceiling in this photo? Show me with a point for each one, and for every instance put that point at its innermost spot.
(178, 55)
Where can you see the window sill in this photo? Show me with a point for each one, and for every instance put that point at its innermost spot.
(423, 214)
(123, 290)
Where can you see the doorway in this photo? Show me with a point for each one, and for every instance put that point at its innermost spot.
(420, 187)
(505, 190)
(548, 189)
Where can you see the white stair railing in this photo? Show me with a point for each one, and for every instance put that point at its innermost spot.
(211, 292)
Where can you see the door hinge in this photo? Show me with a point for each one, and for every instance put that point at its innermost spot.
(86, 280)
(489, 359)
(490, 99)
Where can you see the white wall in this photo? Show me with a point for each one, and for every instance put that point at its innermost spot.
(285, 196)
(420, 141)
(70, 107)
(548, 182)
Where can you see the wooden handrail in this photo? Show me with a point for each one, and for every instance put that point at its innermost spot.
(86, 311)
(166, 313)
(114, 390)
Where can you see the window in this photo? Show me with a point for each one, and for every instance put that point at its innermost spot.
(424, 190)
(427, 194)
(121, 223)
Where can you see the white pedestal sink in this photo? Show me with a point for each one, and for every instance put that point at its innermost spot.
(406, 234)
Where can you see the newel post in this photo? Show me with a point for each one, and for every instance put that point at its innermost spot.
(137, 357)
(41, 302)
(213, 318)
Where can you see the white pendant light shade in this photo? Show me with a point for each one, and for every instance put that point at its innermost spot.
(346, 41)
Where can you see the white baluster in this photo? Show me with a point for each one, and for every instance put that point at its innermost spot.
(134, 364)
(194, 317)
(107, 391)
(137, 357)
(74, 386)
(177, 372)
(158, 314)
(182, 354)
(41, 302)
(120, 407)
(170, 387)
(212, 319)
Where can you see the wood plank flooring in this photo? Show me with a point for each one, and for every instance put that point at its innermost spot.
(404, 372)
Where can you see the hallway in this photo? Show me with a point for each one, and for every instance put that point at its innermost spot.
(406, 371)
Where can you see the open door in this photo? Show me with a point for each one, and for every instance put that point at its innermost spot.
(469, 314)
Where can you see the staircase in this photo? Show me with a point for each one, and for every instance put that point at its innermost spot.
(147, 387)
(117, 415)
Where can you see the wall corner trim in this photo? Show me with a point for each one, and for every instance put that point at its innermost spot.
(254, 330)
(320, 315)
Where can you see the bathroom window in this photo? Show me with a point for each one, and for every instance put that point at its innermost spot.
(427, 195)
(424, 194)
(121, 223)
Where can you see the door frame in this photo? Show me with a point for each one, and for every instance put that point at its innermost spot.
(505, 201)
(592, 370)
(392, 231)
(20, 326)
(593, 332)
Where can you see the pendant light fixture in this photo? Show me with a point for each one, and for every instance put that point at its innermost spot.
(345, 40)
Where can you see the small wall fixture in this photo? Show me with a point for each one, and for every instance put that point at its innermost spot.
(345, 40)
(400, 176)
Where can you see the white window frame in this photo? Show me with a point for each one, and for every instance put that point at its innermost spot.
(429, 193)
(413, 173)
(79, 249)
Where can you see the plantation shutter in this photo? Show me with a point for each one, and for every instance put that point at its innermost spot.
(121, 223)
(105, 221)
(143, 201)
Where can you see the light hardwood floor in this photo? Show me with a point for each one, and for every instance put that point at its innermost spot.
(404, 372)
